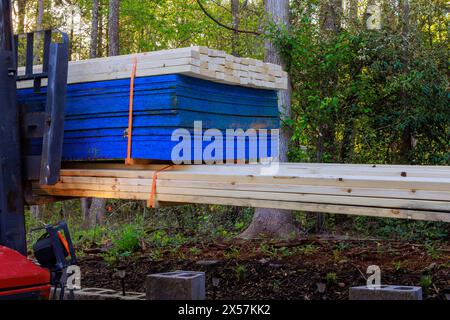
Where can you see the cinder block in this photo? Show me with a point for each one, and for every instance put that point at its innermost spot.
(178, 285)
(386, 293)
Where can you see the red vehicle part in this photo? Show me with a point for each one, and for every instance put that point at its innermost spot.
(22, 279)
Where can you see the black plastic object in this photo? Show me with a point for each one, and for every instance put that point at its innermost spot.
(44, 251)
(53, 254)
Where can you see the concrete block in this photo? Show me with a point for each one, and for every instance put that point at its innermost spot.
(178, 285)
(101, 294)
(386, 293)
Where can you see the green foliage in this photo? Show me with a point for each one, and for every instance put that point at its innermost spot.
(426, 282)
(240, 272)
(398, 266)
(432, 251)
(156, 255)
(128, 239)
(307, 250)
(365, 96)
(125, 241)
(232, 253)
(331, 278)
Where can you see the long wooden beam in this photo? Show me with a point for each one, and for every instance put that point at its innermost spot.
(421, 193)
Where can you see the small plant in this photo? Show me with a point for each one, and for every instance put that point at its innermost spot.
(276, 286)
(232, 253)
(307, 250)
(239, 225)
(128, 239)
(241, 272)
(341, 246)
(159, 238)
(331, 278)
(337, 254)
(156, 255)
(426, 282)
(432, 251)
(285, 251)
(398, 266)
(195, 251)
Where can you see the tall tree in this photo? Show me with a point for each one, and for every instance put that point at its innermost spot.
(113, 28)
(407, 138)
(40, 15)
(94, 29)
(97, 206)
(21, 13)
(270, 222)
(101, 29)
(236, 23)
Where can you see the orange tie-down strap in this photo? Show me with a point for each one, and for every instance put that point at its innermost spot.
(128, 160)
(152, 200)
(64, 242)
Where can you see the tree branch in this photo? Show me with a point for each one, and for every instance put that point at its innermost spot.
(224, 25)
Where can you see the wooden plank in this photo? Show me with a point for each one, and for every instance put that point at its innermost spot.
(431, 184)
(320, 188)
(272, 195)
(325, 190)
(298, 206)
(266, 76)
(295, 166)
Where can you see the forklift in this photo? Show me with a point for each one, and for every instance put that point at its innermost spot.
(21, 278)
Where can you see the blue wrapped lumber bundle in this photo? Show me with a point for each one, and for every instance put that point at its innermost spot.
(168, 110)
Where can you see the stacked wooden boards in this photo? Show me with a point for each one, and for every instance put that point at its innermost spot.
(97, 114)
(198, 62)
(409, 192)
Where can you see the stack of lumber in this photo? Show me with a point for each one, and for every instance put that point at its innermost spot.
(408, 192)
(172, 90)
(198, 62)
(97, 113)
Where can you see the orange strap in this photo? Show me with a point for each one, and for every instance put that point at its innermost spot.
(64, 242)
(151, 202)
(128, 160)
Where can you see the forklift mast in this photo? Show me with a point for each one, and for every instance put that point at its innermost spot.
(12, 220)
(18, 126)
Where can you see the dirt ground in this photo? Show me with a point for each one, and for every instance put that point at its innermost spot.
(311, 269)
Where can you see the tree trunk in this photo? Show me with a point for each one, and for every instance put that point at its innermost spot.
(330, 19)
(331, 14)
(100, 32)
(236, 23)
(94, 29)
(113, 33)
(40, 15)
(39, 26)
(36, 212)
(96, 213)
(270, 222)
(21, 8)
(407, 138)
(94, 209)
(85, 205)
(72, 33)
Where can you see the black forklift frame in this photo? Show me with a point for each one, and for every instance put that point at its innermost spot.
(15, 168)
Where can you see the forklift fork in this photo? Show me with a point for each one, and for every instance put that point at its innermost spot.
(49, 124)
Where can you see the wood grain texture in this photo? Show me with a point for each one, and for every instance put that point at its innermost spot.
(199, 62)
(422, 194)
